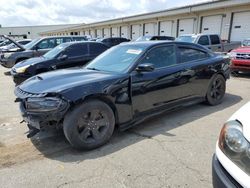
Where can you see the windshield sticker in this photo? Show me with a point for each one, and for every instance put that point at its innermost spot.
(133, 51)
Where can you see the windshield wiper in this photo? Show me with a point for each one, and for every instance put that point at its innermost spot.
(92, 68)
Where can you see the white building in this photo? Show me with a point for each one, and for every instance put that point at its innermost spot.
(229, 18)
(30, 32)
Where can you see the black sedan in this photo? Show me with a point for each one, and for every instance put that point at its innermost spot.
(66, 55)
(112, 41)
(148, 38)
(121, 87)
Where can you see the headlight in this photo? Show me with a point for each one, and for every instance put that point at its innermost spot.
(233, 143)
(21, 69)
(7, 55)
(45, 104)
(232, 55)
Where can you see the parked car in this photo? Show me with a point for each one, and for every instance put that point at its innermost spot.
(65, 55)
(12, 45)
(122, 86)
(112, 41)
(147, 38)
(240, 58)
(5, 42)
(212, 42)
(231, 162)
(35, 48)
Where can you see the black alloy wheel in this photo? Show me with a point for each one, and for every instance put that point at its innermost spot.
(216, 90)
(89, 125)
(93, 125)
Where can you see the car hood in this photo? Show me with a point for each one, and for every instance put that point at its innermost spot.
(242, 115)
(31, 61)
(60, 80)
(13, 41)
(245, 49)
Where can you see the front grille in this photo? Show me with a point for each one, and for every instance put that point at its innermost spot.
(245, 56)
(23, 94)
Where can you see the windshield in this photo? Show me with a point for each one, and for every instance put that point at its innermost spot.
(186, 39)
(31, 44)
(117, 59)
(246, 42)
(144, 38)
(55, 51)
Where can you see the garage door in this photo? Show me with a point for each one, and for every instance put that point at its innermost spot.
(166, 28)
(211, 24)
(106, 32)
(115, 32)
(87, 32)
(135, 32)
(241, 26)
(150, 29)
(124, 32)
(186, 26)
(99, 33)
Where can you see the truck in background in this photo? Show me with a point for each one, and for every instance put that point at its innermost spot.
(211, 41)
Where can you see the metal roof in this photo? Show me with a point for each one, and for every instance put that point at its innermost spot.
(211, 4)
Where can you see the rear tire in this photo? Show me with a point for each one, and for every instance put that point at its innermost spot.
(89, 125)
(216, 90)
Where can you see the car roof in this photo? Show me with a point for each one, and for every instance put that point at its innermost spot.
(83, 42)
(48, 37)
(149, 44)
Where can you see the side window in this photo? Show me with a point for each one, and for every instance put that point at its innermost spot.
(46, 43)
(66, 39)
(79, 39)
(161, 56)
(59, 41)
(203, 40)
(189, 54)
(76, 50)
(215, 39)
(96, 49)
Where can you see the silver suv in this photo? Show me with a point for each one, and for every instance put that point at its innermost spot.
(35, 48)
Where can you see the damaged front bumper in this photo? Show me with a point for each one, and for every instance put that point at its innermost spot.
(40, 118)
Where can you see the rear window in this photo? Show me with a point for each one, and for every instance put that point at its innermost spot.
(190, 54)
(96, 49)
(77, 50)
(215, 39)
(203, 40)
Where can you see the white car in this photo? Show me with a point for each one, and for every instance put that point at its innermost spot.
(231, 162)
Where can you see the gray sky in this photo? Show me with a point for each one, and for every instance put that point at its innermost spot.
(42, 12)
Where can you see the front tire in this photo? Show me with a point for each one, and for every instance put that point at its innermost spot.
(89, 125)
(216, 90)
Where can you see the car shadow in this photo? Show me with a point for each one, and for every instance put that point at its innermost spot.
(7, 73)
(56, 146)
(242, 75)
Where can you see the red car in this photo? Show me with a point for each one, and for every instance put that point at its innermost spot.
(240, 58)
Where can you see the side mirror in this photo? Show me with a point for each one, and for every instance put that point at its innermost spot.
(146, 67)
(63, 57)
